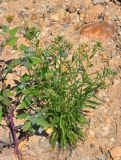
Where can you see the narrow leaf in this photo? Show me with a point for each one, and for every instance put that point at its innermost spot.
(12, 41)
(13, 31)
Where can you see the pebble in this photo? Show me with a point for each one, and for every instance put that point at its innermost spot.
(75, 19)
(95, 2)
(71, 9)
(101, 17)
(23, 14)
(67, 19)
(82, 16)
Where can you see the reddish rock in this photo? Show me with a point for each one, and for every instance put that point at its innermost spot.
(33, 17)
(100, 30)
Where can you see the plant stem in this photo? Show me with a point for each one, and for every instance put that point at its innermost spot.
(13, 130)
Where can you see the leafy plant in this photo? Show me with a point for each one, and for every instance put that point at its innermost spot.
(56, 88)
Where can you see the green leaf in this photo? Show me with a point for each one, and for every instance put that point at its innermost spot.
(54, 138)
(9, 93)
(23, 105)
(27, 126)
(94, 102)
(13, 31)
(35, 60)
(81, 134)
(25, 78)
(24, 48)
(41, 122)
(12, 41)
(82, 119)
(72, 137)
(23, 116)
(6, 101)
(5, 28)
(0, 113)
(12, 65)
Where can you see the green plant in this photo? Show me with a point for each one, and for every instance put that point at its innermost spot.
(56, 88)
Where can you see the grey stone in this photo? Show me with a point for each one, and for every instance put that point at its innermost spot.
(117, 2)
(71, 9)
(95, 2)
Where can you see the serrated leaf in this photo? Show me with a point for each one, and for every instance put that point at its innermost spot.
(23, 116)
(13, 31)
(23, 105)
(41, 122)
(27, 126)
(35, 60)
(9, 93)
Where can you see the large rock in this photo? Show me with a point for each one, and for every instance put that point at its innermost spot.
(99, 30)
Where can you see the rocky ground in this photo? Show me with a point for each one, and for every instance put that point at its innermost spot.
(79, 21)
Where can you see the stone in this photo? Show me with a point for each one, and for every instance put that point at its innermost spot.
(34, 17)
(82, 16)
(99, 30)
(117, 2)
(116, 153)
(101, 17)
(71, 9)
(67, 19)
(75, 19)
(95, 2)
(105, 57)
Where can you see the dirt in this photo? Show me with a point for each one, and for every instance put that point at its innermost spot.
(68, 18)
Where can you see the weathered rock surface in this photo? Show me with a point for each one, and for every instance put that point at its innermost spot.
(116, 153)
(99, 30)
